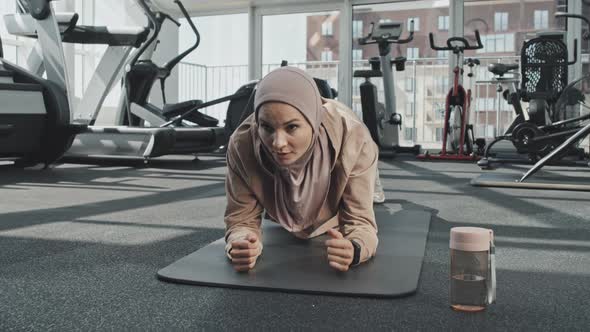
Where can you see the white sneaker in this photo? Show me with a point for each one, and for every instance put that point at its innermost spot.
(378, 194)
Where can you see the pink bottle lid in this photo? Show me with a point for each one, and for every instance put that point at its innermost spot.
(471, 238)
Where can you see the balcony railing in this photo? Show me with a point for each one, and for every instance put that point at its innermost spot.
(420, 93)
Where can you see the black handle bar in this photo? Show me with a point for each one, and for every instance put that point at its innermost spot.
(586, 35)
(457, 48)
(172, 63)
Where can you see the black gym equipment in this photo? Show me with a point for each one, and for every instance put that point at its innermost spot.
(289, 264)
(174, 129)
(35, 123)
(382, 120)
(116, 141)
(572, 98)
(544, 77)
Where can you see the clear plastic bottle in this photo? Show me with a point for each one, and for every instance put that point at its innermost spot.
(472, 268)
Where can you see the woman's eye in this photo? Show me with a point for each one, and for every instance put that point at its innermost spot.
(266, 128)
(292, 127)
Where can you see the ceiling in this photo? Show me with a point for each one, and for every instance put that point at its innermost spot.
(197, 7)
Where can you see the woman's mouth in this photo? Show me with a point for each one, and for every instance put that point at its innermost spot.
(283, 155)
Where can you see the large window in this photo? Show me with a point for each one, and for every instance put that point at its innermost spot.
(219, 66)
(508, 21)
(309, 41)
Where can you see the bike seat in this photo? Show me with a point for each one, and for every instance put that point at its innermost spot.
(500, 69)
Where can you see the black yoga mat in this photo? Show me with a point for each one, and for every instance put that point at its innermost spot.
(537, 181)
(289, 264)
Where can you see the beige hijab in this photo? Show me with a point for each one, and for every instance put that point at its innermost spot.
(302, 187)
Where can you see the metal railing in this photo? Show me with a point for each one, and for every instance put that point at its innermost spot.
(421, 92)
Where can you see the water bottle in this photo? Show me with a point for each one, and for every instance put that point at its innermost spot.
(473, 270)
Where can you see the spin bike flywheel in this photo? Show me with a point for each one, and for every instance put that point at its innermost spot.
(379, 118)
(454, 128)
(523, 139)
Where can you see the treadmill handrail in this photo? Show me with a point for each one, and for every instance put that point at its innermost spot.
(39, 9)
(24, 24)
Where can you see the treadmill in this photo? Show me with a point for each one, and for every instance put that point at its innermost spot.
(38, 20)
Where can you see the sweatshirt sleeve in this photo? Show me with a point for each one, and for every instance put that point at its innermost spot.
(357, 217)
(243, 213)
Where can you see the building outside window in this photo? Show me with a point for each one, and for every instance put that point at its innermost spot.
(327, 55)
(441, 84)
(413, 53)
(442, 54)
(438, 134)
(498, 43)
(357, 29)
(409, 84)
(409, 111)
(485, 104)
(500, 21)
(327, 28)
(541, 19)
(443, 23)
(439, 113)
(357, 54)
(409, 133)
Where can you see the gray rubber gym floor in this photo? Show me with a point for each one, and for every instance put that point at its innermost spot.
(80, 246)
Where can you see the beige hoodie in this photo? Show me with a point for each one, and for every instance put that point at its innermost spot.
(349, 204)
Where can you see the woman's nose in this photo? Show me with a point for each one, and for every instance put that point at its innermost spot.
(279, 141)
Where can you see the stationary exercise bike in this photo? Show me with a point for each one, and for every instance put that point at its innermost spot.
(572, 97)
(383, 121)
(544, 65)
(458, 139)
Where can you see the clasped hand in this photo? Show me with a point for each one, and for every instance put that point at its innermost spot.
(245, 252)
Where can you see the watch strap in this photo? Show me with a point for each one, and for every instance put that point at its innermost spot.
(357, 253)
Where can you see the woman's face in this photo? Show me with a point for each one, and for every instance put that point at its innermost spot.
(284, 131)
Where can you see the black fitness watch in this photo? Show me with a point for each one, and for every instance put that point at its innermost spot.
(357, 253)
